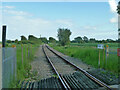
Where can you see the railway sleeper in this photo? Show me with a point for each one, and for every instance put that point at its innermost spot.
(88, 81)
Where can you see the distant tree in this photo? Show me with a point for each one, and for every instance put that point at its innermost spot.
(110, 40)
(52, 40)
(23, 38)
(32, 38)
(104, 41)
(44, 39)
(73, 41)
(85, 39)
(64, 36)
(16, 41)
(13, 41)
(78, 39)
(9, 41)
(92, 40)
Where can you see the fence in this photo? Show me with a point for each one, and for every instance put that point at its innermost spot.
(8, 66)
(113, 51)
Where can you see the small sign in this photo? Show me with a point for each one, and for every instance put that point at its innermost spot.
(118, 51)
(100, 46)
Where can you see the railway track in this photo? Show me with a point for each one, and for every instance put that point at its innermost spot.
(68, 75)
(66, 81)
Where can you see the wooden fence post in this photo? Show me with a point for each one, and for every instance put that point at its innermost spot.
(103, 58)
(99, 60)
(31, 49)
(28, 52)
(22, 52)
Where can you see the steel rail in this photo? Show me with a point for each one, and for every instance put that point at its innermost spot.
(85, 72)
(64, 83)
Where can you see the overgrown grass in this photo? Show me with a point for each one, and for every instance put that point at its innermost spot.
(23, 70)
(90, 55)
(113, 45)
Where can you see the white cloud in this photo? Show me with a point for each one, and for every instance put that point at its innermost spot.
(114, 20)
(113, 5)
(13, 12)
(98, 34)
(90, 28)
(7, 7)
(65, 22)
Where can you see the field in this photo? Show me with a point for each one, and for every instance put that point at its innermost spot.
(89, 54)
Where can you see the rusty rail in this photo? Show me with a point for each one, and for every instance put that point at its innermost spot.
(62, 80)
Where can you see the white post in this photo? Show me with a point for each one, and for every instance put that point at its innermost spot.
(0, 68)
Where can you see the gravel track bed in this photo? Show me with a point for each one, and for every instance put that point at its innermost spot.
(75, 61)
(41, 66)
(61, 66)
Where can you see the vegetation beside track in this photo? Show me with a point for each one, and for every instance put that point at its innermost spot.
(90, 55)
(23, 70)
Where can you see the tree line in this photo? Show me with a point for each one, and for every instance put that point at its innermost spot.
(63, 39)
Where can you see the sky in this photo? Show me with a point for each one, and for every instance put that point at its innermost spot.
(92, 19)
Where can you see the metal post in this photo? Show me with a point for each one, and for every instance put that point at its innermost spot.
(22, 53)
(28, 52)
(3, 36)
(106, 56)
(103, 59)
(99, 60)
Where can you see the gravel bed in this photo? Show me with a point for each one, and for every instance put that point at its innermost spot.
(41, 66)
(75, 61)
(61, 66)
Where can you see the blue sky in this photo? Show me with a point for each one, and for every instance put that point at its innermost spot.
(91, 19)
